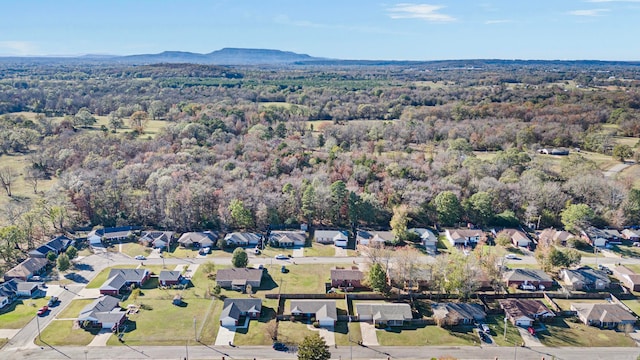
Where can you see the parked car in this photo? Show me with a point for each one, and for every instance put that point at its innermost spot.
(511, 256)
(205, 251)
(485, 328)
(531, 331)
(257, 251)
(281, 257)
(140, 257)
(279, 346)
(53, 301)
(43, 310)
(284, 269)
(527, 287)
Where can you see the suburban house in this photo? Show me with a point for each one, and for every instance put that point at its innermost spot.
(585, 278)
(15, 288)
(234, 309)
(535, 277)
(552, 236)
(629, 278)
(198, 239)
(168, 278)
(518, 238)
(631, 234)
(347, 278)
(8, 292)
(609, 316)
(239, 278)
(103, 312)
(418, 279)
(120, 280)
(111, 234)
(363, 237)
(600, 237)
(523, 312)
(448, 314)
(57, 245)
(322, 311)
(287, 238)
(384, 314)
(27, 269)
(156, 239)
(242, 239)
(427, 238)
(463, 237)
(335, 237)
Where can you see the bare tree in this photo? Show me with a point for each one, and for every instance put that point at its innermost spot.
(7, 177)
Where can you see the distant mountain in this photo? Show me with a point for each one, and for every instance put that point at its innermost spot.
(226, 56)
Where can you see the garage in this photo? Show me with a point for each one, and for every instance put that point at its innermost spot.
(523, 321)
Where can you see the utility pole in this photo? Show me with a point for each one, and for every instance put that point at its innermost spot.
(38, 323)
(195, 332)
(187, 349)
(505, 328)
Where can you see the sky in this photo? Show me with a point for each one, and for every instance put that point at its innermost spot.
(343, 29)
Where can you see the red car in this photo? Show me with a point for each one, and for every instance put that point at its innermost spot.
(532, 331)
(43, 310)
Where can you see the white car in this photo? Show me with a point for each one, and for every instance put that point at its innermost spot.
(281, 257)
(140, 257)
(511, 256)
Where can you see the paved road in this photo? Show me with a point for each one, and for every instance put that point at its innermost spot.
(24, 338)
(615, 169)
(341, 352)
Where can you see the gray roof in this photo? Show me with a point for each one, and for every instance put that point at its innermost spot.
(157, 238)
(205, 239)
(239, 274)
(116, 282)
(346, 274)
(114, 232)
(26, 286)
(321, 308)
(9, 288)
(234, 307)
(166, 275)
(330, 234)
(527, 275)
(606, 313)
(113, 316)
(288, 236)
(130, 275)
(385, 311)
(530, 308)
(587, 275)
(57, 245)
(458, 311)
(242, 237)
(104, 303)
(27, 267)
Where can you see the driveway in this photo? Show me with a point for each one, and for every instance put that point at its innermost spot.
(369, 337)
(225, 336)
(298, 252)
(529, 341)
(328, 335)
(102, 338)
(615, 169)
(340, 251)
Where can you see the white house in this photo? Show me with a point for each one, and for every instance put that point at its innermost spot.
(242, 239)
(335, 237)
(464, 237)
(428, 239)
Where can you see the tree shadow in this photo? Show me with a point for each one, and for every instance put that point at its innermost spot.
(267, 314)
(267, 283)
(83, 267)
(76, 278)
(152, 283)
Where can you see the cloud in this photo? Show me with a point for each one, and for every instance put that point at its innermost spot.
(502, 21)
(590, 12)
(419, 11)
(20, 48)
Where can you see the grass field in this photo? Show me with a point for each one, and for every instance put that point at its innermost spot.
(73, 309)
(496, 324)
(132, 249)
(256, 333)
(320, 250)
(565, 304)
(427, 335)
(292, 332)
(563, 332)
(633, 304)
(299, 279)
(18, 314)
(345, 331)
(62, 333)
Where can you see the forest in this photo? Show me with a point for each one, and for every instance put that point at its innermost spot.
(194, 147)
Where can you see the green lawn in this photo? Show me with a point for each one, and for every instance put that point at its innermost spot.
(565, 304)
(443, 245)
(634, 305)
(61, 333)
(427, 335)
(132, 249)
(627, 251)
(563, 332)
(292, 332)
(320, 250)
(18, 314)
(496, 324)
(342, 335)
(270, 252)
(73, 310)
(300, 278)
(102, 276)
